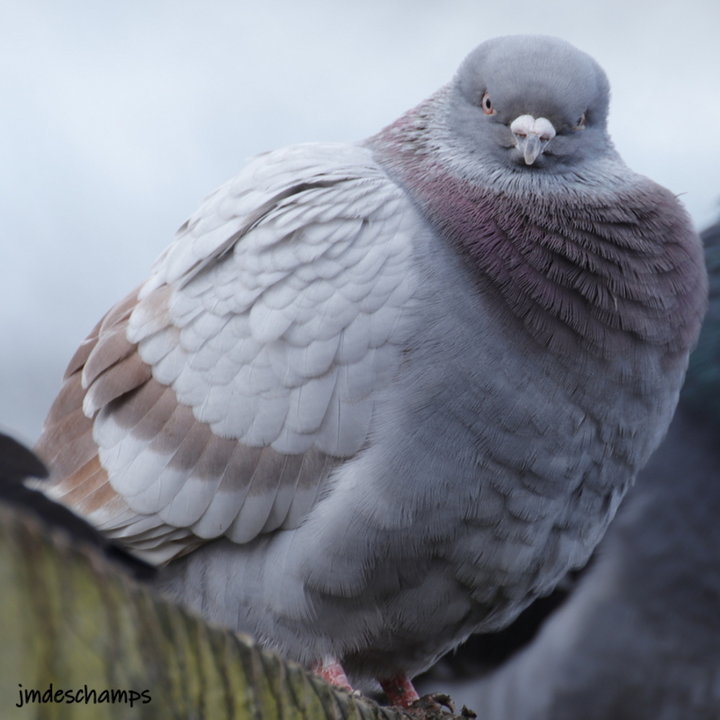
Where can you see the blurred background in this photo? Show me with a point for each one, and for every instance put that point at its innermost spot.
(117, 118)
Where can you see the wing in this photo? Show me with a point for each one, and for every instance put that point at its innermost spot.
(217, 399)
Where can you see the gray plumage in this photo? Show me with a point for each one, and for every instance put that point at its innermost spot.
(377, 397)
(638, 638)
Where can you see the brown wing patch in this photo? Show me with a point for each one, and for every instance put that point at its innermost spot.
(66, 444)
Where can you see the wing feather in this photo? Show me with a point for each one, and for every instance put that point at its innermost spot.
(218, 398)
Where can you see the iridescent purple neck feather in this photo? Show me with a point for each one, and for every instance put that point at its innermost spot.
(598, 258)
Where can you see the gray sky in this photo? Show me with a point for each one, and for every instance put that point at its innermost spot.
(117, 118)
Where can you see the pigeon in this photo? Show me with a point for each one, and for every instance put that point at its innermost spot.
(378, 396)
(637, 637)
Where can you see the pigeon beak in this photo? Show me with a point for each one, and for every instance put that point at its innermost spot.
(531, 136)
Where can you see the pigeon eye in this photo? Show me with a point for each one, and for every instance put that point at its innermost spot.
(486, 104)
(580, 124)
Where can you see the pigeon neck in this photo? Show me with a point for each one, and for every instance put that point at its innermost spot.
(607, 269)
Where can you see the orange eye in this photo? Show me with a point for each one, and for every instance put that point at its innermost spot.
(486, 104)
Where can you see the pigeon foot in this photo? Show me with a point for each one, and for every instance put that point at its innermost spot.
(399, 690)
(330, 670)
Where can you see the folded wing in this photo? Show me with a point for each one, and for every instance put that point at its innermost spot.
(217, 398)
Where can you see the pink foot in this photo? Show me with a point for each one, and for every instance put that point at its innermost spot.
(399, 690)
(331, 671)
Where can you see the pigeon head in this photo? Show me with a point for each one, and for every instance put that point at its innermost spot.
(531, 102)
